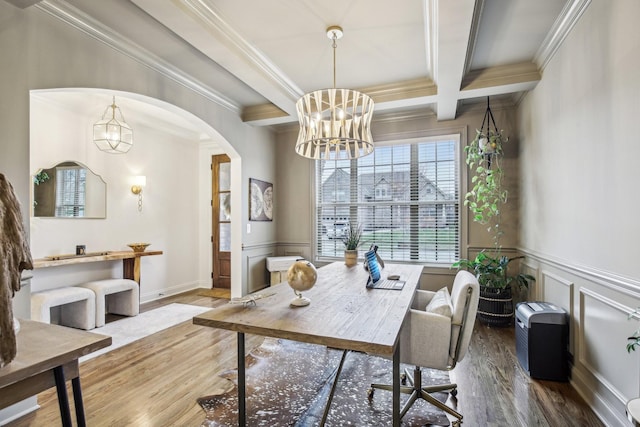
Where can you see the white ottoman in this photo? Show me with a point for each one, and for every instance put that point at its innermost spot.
(116, 296)
(77, 306)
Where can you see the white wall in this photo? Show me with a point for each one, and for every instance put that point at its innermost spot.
(579, 207)
(169, 219)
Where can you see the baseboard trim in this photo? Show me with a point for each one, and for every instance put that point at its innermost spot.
(173, 290)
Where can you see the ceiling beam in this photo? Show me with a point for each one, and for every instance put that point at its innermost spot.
(494, 77)
(455, 21)
(408, 93)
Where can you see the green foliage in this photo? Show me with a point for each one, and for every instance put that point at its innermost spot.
(484, 155)
(493, 272)
(353, 237)
(40, 177)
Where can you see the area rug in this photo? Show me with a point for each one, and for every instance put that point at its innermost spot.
(130, 329)
(288, 384)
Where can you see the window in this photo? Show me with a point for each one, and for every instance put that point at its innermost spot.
(70, 191)
(405, 196)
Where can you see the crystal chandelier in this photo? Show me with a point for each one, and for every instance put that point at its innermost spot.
(112, 135)
(335, 124)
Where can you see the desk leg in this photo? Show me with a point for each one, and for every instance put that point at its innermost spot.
(63, 399)
(333, 389)
(395, 408)
(77, 399)
(242, 410)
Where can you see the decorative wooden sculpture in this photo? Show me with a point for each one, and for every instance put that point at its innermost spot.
(15, 256)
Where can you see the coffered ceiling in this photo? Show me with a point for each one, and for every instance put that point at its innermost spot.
(257, 57)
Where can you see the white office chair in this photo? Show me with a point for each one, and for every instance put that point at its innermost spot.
(437, 341)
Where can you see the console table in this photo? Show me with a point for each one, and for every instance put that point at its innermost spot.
(47, 356)
(130, 261)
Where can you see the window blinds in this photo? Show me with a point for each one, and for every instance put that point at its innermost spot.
(404, 196)
(70, 191)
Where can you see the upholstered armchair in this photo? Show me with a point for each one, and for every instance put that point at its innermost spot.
(436, 335)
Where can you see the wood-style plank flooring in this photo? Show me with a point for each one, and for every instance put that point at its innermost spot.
(156, 381)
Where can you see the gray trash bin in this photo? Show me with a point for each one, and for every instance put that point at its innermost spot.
(542, 340)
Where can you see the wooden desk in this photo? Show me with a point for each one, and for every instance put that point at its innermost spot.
(130, 261)
(47, 354)
(343, 314)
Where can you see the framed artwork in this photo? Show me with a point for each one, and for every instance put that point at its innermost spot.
(260, 200)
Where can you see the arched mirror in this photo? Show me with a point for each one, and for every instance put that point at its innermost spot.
(69, 190)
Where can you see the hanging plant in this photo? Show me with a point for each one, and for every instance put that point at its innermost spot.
(484, 158)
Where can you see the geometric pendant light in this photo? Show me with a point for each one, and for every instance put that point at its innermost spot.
(335, 124)
(110, 134)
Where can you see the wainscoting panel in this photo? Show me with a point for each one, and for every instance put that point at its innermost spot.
(559, 291)
(605, 326)
(599, 304)
(257, 275)
(535, 289)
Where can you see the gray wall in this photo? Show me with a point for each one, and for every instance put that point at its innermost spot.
(296, 181)
(41, 52)
(579, 142)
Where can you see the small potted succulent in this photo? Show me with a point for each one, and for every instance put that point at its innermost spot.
(352, 240)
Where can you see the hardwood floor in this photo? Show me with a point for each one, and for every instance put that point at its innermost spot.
(156, 381)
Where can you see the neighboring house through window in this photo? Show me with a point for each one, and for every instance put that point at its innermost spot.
(70, 191)
(405, 196)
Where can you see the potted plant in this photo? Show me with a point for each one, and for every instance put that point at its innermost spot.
(486, 195)
(484, 199)
(495, 306)
(352, 240)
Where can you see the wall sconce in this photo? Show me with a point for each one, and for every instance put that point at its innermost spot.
(139, 182)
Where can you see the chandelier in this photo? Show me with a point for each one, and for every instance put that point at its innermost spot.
(110, 134)
(335, 124)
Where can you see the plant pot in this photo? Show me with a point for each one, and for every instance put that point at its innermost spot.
(495, 307)
(350, 257)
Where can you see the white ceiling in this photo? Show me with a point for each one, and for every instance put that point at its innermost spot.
(257, 57)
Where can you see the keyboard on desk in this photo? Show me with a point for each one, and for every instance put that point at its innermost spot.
(387, 284)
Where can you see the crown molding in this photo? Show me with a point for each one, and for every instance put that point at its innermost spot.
(208, 14)
(563, 25)
(22, 4)
(81, 21)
